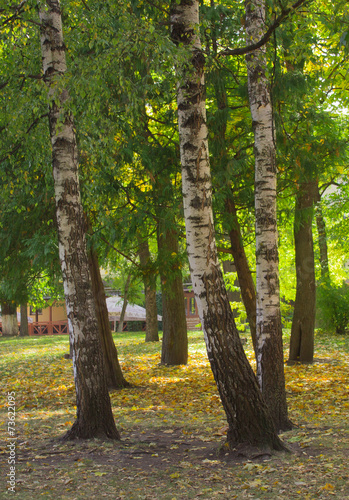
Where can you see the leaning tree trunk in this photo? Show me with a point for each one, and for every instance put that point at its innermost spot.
(24, 330)
(246, 283)
(174, 324)
(270, 362)
(303, 323)
(9, 319)
(94, 414)
(149, 280)
(115, 378)
(247, 415)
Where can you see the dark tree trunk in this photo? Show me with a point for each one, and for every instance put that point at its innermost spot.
(149, 280)
(303, 323)
(174, 339)
(94, 416)
(115, 378)
(9, 319)
(24, 330)
(322, 238)
(247, 287)
(246, 284)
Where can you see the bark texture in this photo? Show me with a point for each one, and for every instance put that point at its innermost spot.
(174, 324)
(246, 283)
(303, 323)
(9, 319)
(24, 330)
(270, 363)
(115, 378)
(94, 414)
(247, 415)
(149, 280)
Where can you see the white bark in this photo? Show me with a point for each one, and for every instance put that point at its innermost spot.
(9, 321)
(267, 283)
(268, 319)
(94, 415)
(247, 416)
(196, 175)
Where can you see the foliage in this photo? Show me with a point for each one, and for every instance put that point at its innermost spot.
(333, 307)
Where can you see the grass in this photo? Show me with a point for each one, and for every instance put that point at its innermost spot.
(172, 427)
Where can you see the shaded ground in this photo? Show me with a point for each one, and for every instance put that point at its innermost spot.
(170, 464)
(173, 430)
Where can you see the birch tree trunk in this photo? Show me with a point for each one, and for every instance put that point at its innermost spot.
(247, 415)
(270, 362)
(149, 280)
(9, 319)
(94, 414)
(115, 378)
(303, 323)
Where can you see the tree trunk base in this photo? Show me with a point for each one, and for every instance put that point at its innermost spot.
(118, 387)
(272, 444)
(250, 452)
(291, 362)
(286, 425)
(85, 432)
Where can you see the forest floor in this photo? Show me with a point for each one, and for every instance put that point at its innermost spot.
(172, 428)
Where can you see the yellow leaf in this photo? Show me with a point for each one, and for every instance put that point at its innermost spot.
(328, 486)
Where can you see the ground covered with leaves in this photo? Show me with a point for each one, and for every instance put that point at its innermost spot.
(172, 428)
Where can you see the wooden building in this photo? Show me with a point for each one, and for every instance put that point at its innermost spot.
(52, 320)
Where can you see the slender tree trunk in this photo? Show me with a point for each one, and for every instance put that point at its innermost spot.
(94, 414)
(23, 330)
(303, 324)
(246, 284)
(322, 238)
(247, 287)
(174, 324)
(124, 304)
(149, 280)
(247, 415)
(115, 378)
(270, 361)
(9, 319)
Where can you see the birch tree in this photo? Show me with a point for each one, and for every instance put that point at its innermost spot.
(94, 414)
(247, 415)
(269, 349)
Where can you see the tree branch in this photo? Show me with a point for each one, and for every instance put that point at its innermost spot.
(19, 143)
(119, 251)
(265, 38)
